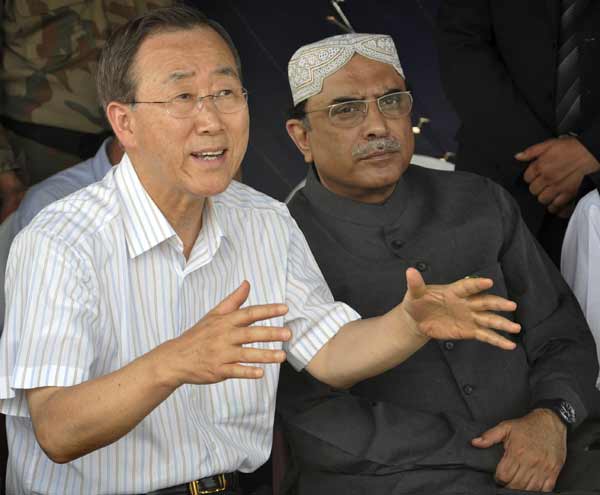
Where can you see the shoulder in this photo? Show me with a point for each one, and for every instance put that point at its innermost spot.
(54, 188)
(244, 200)
(77, 217)
(450, 183)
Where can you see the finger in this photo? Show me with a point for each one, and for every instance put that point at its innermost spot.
(521, 478)
(470, 286)
(494, 435)
(548, 195)
(534, 151)
(538, 184)
(252, 355)
(250, 335)
(559, 203)
(492, 338)
(251, 314)
(240, 371)
(506, 470)
(490, 302)
(233, 301)
(549, 484)
(496, 322)
(415, 284)
(536, 482)
(532, 172)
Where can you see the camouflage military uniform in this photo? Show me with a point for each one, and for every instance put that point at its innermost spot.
(50, 50)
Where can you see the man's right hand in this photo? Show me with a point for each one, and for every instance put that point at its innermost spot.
(213, 349)
(12, 191)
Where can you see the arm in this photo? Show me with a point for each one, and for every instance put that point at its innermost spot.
(365, 348)
(477, 82)
(561, 353)
(51, 325)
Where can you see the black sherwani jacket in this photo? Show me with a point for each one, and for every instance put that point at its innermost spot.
(408, 430)
(498, 64)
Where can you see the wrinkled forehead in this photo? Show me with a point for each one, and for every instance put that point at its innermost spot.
(312, 64)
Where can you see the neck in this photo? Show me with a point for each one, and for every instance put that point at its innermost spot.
(182, 211)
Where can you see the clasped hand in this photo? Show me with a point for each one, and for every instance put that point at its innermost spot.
(535, 450)
(555, 171)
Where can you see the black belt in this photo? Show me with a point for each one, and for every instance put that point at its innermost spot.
(81, 144)
(211, 484)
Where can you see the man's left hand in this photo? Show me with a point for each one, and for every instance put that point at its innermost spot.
(556, 169)
(535, 450)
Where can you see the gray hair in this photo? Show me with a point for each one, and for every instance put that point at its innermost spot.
(115, 79)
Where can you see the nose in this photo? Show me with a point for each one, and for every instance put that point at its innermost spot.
(207, 118)
(375, 124)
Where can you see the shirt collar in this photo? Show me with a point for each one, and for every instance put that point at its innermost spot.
(145, 225)
(355, 211)
(101, 162)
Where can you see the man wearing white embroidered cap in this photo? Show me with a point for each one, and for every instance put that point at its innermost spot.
(127, 362)
(440, 421)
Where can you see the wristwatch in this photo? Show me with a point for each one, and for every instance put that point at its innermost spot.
(562, 408)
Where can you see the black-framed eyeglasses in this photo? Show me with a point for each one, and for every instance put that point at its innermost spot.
(352, 113)
(186, 104)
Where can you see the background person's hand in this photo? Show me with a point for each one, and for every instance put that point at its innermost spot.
(458, 310)
(555, 171)
(12, 191)
(213, 349)
(535, 450)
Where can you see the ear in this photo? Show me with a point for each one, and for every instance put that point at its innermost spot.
(121, 119)
(299, 133)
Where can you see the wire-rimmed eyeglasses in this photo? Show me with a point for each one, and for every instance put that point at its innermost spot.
(351, 113)
(186, 104)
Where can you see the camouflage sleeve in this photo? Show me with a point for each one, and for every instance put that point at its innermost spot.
(7, 157)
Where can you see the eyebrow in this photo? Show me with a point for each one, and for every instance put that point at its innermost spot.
(344, 99)
(180, 75)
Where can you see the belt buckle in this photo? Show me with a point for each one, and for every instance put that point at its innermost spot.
(194, 486)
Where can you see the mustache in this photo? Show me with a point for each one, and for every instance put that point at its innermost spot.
(380, 145)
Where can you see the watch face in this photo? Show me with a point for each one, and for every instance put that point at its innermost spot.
(567, 412)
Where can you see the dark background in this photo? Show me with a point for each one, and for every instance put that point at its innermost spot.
(268, 32)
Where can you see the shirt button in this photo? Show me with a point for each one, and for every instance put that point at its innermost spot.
(468, 389)
(449, 345)
(396, 244)
(421, 266)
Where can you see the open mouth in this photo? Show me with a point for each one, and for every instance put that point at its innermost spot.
(209, 155)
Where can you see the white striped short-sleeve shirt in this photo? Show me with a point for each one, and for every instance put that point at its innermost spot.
(99, 278)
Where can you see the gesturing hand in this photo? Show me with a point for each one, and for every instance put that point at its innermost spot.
(212, 350)
(535, 450)
(458, 310)
(556, 169)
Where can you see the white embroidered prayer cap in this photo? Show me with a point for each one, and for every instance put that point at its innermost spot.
(312, 64)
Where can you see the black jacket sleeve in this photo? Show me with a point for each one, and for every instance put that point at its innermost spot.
(478, 84)
(559, 345)
(339, 432)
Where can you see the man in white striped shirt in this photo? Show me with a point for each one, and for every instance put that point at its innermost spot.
(130, 308)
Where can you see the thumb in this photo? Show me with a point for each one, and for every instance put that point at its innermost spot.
(494, 435)
(234, 300)
(534, 151)
(415, 284)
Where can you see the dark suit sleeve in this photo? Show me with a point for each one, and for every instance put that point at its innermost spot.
(558, 343)
(478, 84)
(335, 431)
